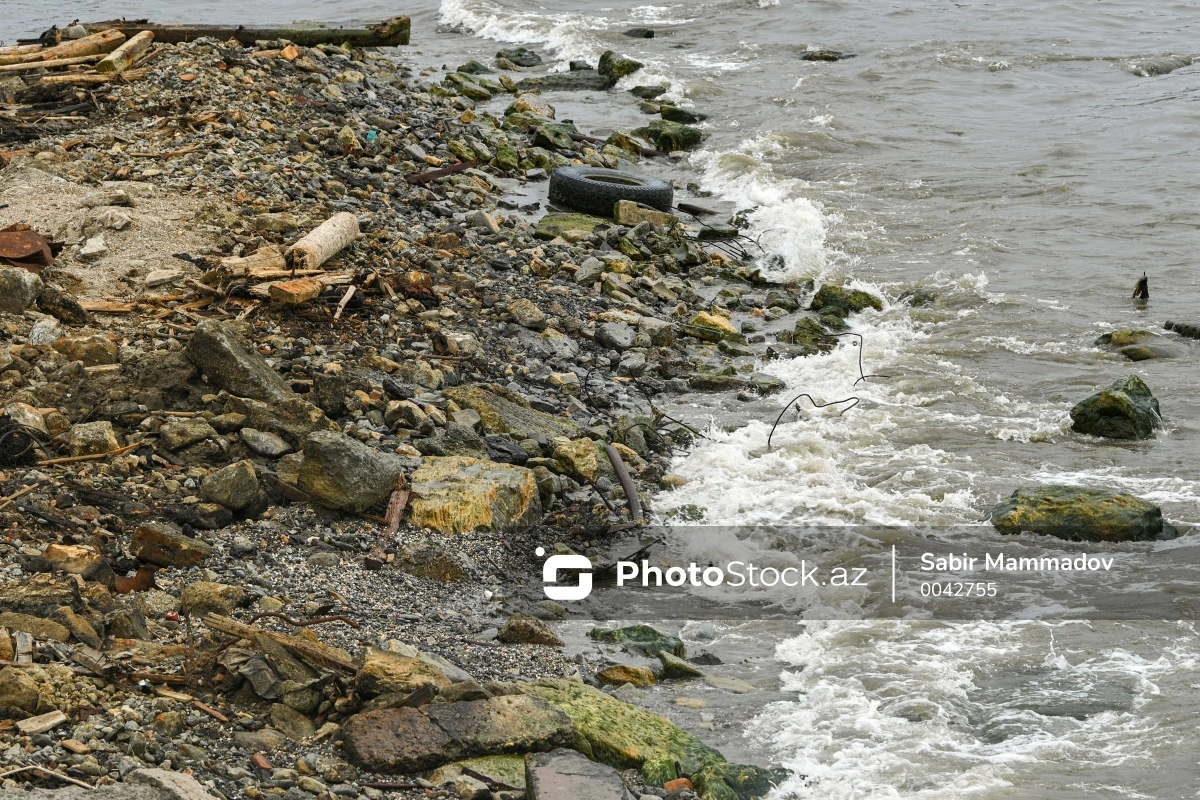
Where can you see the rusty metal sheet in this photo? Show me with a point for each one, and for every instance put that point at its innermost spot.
(21, 246)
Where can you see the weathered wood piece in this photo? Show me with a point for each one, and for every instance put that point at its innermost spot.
(389, 33)
(123, 57)
(30, 66)
(103, 42)
(324, 242)
(313, 652)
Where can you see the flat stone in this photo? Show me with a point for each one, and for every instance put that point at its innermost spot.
(676, 668)
(94, 248)
(615, 335)
(92, 351)
(619, 674)
(40, 595)
(384, 672)
(163, 545)
(569, 775)
(36, 627)
(291, 723)
(174, 785)
(589, 271)
(231, 363)
(264, 443)
(502, 411)
(175, 434)
(208, 597)
(41, 723)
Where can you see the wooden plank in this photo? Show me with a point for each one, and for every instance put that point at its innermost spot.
(105, 41)
(58, 62)
(389, 33)
(75, 746)
(23, 649)
(295, 292)
(106, 307)
(316, 653)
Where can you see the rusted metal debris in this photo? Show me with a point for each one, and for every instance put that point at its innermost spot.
(21, 246)
(422, 178)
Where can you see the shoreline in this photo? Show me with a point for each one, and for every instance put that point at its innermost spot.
(481, 354)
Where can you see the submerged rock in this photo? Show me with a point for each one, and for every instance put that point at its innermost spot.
(843, 302)
(671, 136)
(1079, 514)
(1136, 345)
(521, 56)
(1125, 410)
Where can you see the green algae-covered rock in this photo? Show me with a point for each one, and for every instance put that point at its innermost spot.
(626, 737)
(1078, 514)
(554, 136)
(671, 136)
(552, 226)
(509, 770)
(615, 67)
(1125, 410)
(1136, 345)
(843, 302)
(506, 156)
(640, 639)
(812, 336)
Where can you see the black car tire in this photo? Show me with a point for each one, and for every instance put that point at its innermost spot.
(593, 190)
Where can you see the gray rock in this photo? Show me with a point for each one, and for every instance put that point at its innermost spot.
(291, 723)
(483, 221)
(235, 486)
(94, 248)
(589, 271)
(264, 443)
(569, 775)
(676, 668)
(231, 363)
(339, 472)
(179, 433)
(91, 438)
(19, 289)
(615, 336)
(1125, 410)
(527, 314)
(520, 56)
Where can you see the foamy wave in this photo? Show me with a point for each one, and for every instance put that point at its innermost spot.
(568, 36)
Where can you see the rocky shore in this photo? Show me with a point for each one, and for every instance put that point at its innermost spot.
(270, 518)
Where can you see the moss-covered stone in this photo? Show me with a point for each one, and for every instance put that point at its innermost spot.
(1078, 514)
(671, 136)
(467, 86)
(553, 136)
(626, 737)
(812, 336)
(615, 67)
(509, 770)
(1125, 410)
(625, 144)
(506, 157)
(552, 226)
(711, 327)
(1136, 345)
(682, 115)
(640, 639)
(843, 302)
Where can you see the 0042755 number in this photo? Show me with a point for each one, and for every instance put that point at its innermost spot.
(958, 589)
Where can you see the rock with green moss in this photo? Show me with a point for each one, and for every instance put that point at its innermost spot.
(682, 115)
(812, 336)
(1079, 514)
(522, 121)
(467, 86)
(671, 136)
(508, 770)
(626, 737)
(615, 67)
(506, 158)
(1136, 345)
(842, 302)
(552, 226)
(640, 639)
(554, 136)
(1125, 410)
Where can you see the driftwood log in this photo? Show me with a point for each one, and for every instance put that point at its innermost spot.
(389, 33)
(103, 42)
(324, 242)
(124, 56)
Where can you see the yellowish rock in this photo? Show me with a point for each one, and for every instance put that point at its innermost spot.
(620, 674)
(578, 459)
(629, 213)
(457, 494)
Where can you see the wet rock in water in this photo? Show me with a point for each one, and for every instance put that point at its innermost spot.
(621, 674)
(208, 597)
(1125, 410)
(648, 92)
(235, 486)
(1136, 345)
(671, 136)
(92, 351)
(640, 33)
(615, 67)
(460, 495)
(640, 639)
(92, 438)
(812, 337)
(339, 472)
(530, 103)
(1079, 514)
(824, 55)
(918, 298)
(681, 115)
(231, 363)
(842, 302)
(766, 384)
(676, 668)
(264, 443)
(569, 775)
(19, 289)
(568, 226)
(165, 546)
(623, 736)
(520, 56)
(522, 629)
(581, 81)
(474, 67)
(408, 740)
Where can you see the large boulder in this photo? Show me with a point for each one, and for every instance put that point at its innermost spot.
(455, 494)
(18, 692)
(641, 639)
(1125, 410)
(231, 363)
(339, 472)
(234, 486)
(502, 411)
(843, 302)
(671, 136)
(615, 67)
(407, 740)
(626, 737)
(40, 595)
(1136, 345)
(1079, 514)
